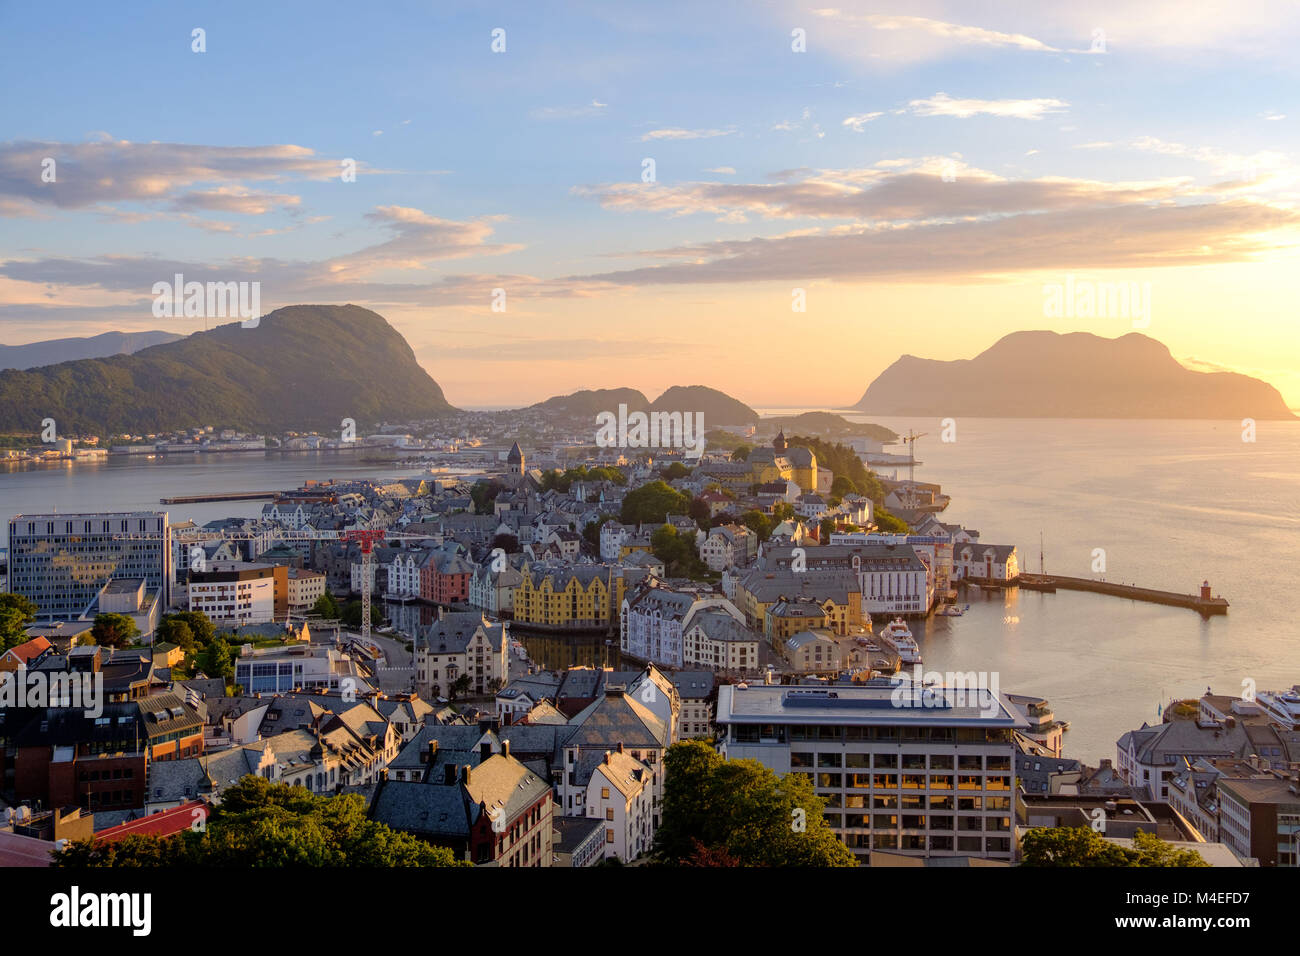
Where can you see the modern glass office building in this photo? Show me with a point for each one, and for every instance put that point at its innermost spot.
(60, 562)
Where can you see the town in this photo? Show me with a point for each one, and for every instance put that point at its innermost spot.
(371, 637)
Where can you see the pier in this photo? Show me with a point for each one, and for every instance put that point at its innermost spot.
(1204, 603)
(221, 496)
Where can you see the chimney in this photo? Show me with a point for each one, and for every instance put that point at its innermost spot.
(505, 747)
(466, 777)
(607, 756)
(431, 754)
(620, 746)
(484, 751)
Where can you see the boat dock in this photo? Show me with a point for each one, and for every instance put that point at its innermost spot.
(1204, 603)
(221, 496)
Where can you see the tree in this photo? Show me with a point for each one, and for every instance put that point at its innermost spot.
(758, 523)
(825, 530)
(717, 811)
(216, 660)
(653, 502)
(889, 523)
(675, 470)
(782, 511)
(200, 625)
(506, 542)
(16, 612)
(741, 453)
(460, 686)
(483, 494)
(326, 606)
(1084, 846)
(592, 531)
(260, 823)
(677, 552)
(351, 613)
(843, 485)
(114, 630)
(175, 631)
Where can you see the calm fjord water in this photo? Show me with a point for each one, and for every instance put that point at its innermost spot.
(1171, 503)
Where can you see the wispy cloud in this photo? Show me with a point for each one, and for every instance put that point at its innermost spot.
(679, 133)
(858, 122)
(941, 104)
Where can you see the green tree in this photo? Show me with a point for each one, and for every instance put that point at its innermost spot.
(889, 523)
(1084, 846)
(782, 511)
(677, 552)
(350, 614)
(825, 530)
(217, 660)
(326, 606)
(16, 612)
(174, 631)
(592, 531)
(260, 823)
(742, 813)
(843, 485)
(675, 470)
(758, 523)
(114, 630)
(200, 625)
(460, 686)
(653, 502)
(741, 453)
(483, 494)
(508, 543)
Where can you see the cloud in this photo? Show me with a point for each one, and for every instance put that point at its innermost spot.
(595, 108)
(723, 170)
(858, 122)
(1135, 237)
(678, 133)
(91, 174)
(941, 104)
(903, 191)
(955, 33)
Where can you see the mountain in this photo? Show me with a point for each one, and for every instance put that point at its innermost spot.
(718, 407)
(1076, 375)
(36, 354)
(304, 366)
(827, 425)
(590, 402)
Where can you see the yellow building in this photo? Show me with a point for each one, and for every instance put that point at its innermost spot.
(838, 594)
(585, 596)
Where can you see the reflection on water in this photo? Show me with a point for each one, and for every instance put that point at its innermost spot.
(562, 652)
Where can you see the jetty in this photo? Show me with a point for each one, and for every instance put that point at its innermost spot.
(221, 496)
(1204, 602)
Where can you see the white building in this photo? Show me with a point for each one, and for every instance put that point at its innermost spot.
(234, 593)
(305, 588)
(934, 779)
(619, 793)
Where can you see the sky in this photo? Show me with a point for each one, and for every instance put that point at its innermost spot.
(775, 199)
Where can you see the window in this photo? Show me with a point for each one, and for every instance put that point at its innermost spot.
(604, 793)
(609, 813)
(609, 834)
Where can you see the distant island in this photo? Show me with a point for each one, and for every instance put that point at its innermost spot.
(304, 366)
(1043, 374)
(717, 406)
(53, 351)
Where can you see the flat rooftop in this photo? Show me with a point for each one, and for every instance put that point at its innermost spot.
(865, 706)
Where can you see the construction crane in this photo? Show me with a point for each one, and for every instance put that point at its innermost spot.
(366, 538)
(911, 467)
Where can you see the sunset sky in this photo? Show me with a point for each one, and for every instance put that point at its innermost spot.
(921, 171)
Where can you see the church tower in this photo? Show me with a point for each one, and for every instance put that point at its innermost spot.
(779, 443)
(515, 459)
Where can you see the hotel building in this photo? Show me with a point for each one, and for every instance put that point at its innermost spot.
(935, 779)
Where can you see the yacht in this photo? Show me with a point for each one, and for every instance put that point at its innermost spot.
(898, 638)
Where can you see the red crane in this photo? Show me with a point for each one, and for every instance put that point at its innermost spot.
(367, 538)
